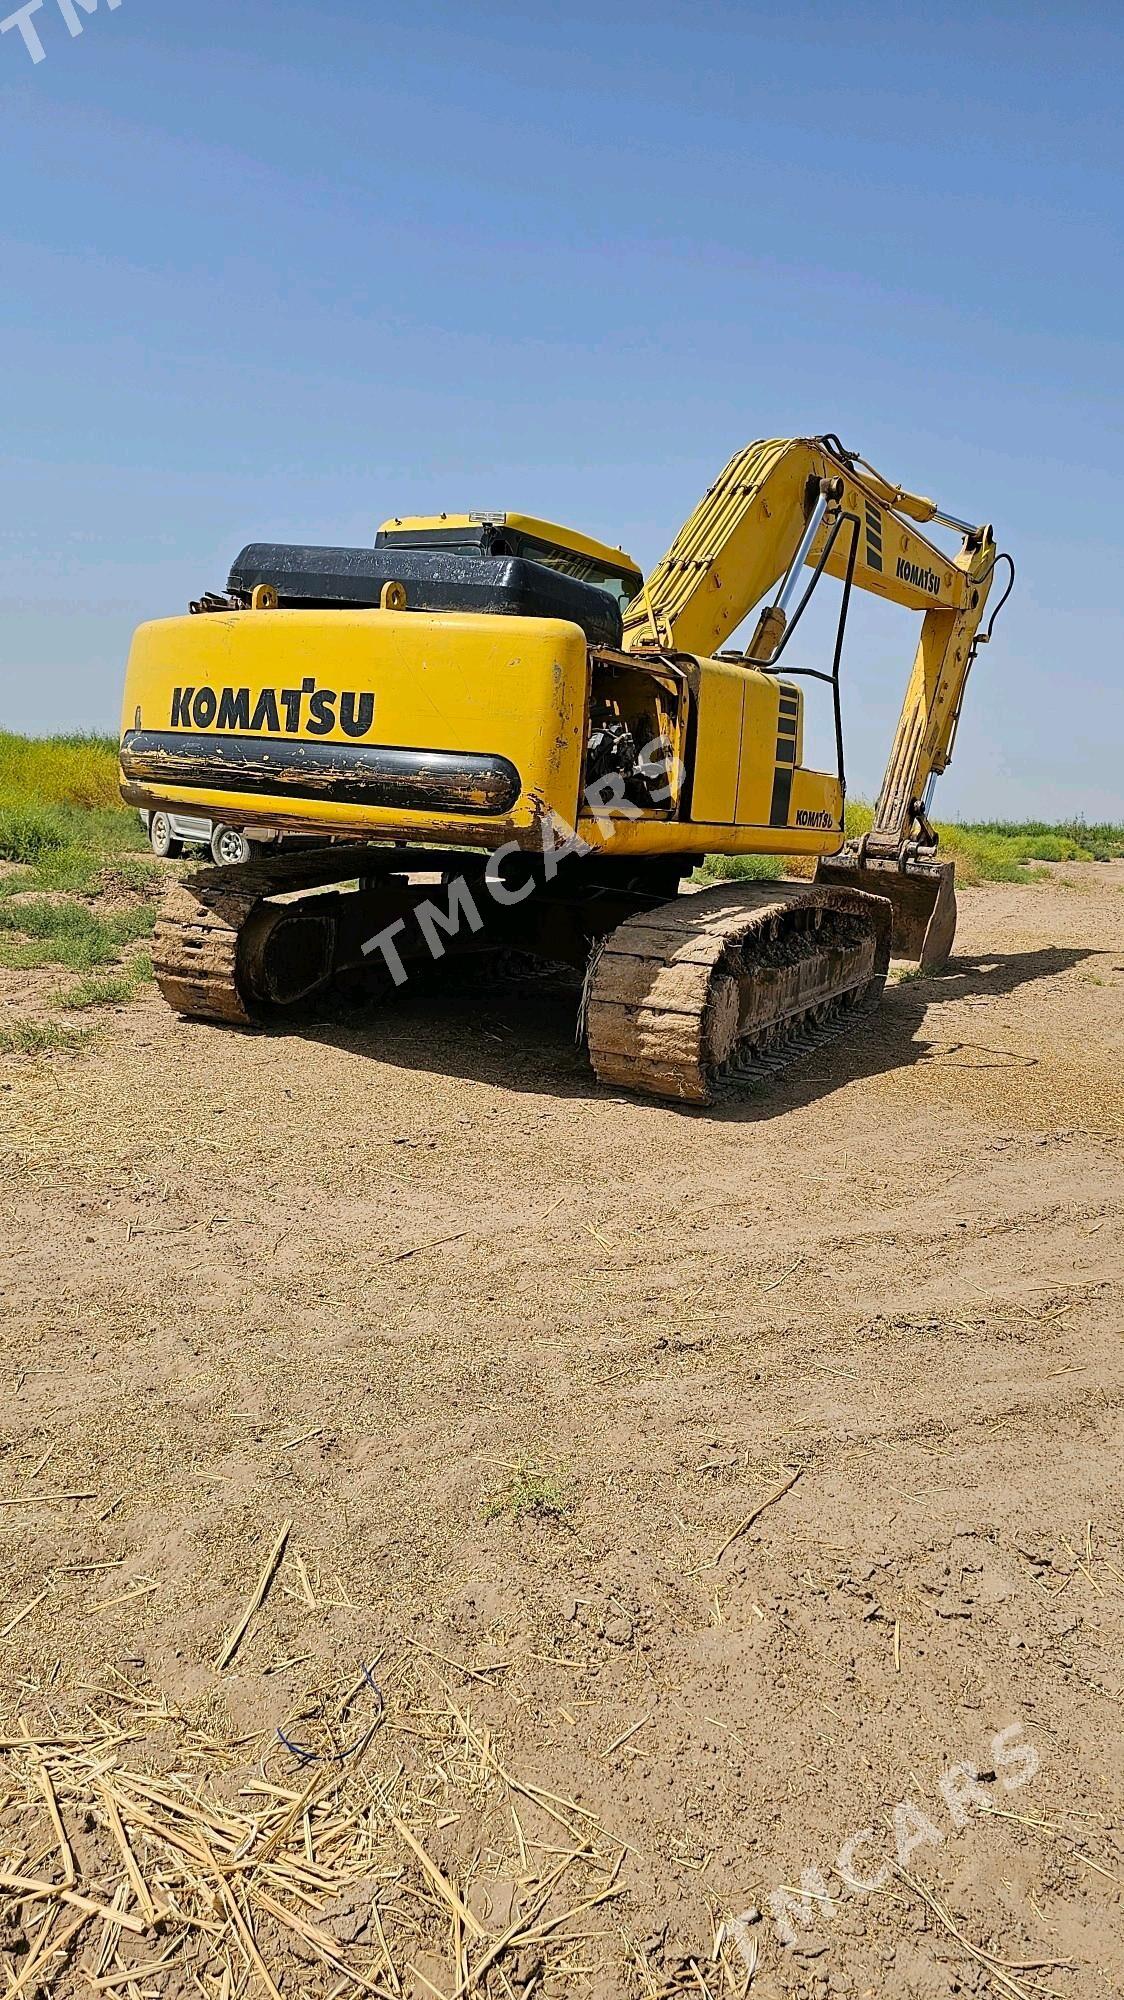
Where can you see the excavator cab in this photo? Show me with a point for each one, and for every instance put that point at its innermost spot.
(489, 535)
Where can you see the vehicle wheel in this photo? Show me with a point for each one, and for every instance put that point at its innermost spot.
(164, 843)
(229, 847)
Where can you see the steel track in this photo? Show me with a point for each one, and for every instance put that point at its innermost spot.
(684, 1000)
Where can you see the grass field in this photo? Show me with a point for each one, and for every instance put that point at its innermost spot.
(984, 851)
(81, 891)
(60, 810)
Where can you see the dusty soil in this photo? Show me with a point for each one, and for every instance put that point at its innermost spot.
(382, 1276)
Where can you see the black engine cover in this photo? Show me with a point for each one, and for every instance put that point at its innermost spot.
(433, 579)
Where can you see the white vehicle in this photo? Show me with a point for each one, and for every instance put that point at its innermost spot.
(169, 833)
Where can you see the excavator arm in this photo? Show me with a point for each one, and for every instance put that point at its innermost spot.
(785, 504)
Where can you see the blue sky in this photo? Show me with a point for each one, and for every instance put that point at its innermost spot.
(275, 270)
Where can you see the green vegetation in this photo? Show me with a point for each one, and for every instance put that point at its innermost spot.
(991, 851)
(744, 868)
(61, 817)
(68, 933)
(1069, 840)
(39, 1038)
(984, 851)
(33, 834)
(80, 889)
(60, 770)
(530, 1493)
(112, 989)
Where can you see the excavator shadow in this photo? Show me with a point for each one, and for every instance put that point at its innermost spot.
(518, 1033)
(905, 1031)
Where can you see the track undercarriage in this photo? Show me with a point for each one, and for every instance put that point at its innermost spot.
(686, 1000)
(684, 995)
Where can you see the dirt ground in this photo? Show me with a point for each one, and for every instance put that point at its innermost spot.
(517, 1359)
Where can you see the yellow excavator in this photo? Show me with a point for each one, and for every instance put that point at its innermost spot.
(488, 733)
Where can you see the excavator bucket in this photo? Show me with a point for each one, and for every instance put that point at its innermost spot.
(922, 895)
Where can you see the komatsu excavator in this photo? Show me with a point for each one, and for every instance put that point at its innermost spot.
(493, 734)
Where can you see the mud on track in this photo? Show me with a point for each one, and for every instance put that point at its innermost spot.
(352, 1277)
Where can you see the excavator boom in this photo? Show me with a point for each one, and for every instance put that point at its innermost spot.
(746, 532)
(779, 506)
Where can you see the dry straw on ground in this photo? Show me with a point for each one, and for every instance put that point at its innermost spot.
(141, 1855)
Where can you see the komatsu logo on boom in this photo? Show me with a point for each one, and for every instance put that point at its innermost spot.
(922, 579)
(274, 711)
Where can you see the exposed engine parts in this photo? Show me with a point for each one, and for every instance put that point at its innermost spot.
(636, 754)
